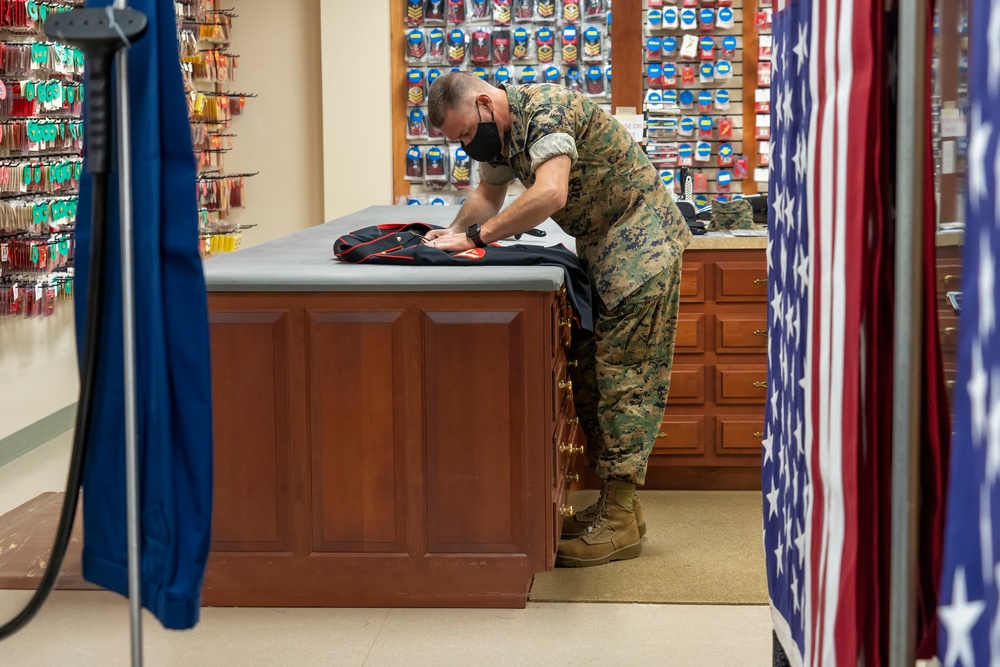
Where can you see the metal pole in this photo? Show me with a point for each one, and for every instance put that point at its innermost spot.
(128, 349)
(907, 367)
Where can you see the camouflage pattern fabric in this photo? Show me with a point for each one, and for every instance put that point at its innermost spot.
(627, 227)
(734, 214)
(621, 383)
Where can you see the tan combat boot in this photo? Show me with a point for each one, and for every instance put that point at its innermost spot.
(613, 536)
(577, 524)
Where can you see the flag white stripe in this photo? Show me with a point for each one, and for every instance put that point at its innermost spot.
(784, 633)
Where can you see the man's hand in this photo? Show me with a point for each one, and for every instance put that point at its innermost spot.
(451, 242)
(437, 233)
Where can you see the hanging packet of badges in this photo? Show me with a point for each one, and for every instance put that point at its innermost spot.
(570, 12)
(480, 11)
(523, 47)
(570, 45)
(523, 11)
(461, 168)
(545, 11)
(435, 12)
(414, 13)
(574, 80)
(456, 11)
(435, 48)
(456, 47)
(415, 88)
(416, 46)
(501, 12)
(546, 38)
(592, 44)
(480, 47)
(595, 81)
(436, 161)
(501, 46)
(593, 9)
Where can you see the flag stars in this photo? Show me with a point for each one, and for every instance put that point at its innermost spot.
(779, 554)
(801, 49)
(978, 385)
(772, 501)
(978, 147)
(993, 431)
(958, 619)
(993, 38)
(768, 444)
(987, 274)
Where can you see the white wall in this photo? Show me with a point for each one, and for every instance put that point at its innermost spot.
(357, 105)
(280, 133)
(38, 371)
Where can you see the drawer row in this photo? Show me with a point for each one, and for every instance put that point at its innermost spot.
(731, 333)
(723, 282)
(696, 435)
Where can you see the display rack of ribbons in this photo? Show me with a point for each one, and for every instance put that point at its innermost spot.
(210, 69)
(41, 146)
(566, 42)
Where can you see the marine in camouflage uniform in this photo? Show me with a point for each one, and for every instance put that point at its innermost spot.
(630, 235)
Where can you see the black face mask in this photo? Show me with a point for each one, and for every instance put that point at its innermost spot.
(486, 145)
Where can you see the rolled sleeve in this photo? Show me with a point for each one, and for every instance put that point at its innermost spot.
(550, 146)
(496, 174)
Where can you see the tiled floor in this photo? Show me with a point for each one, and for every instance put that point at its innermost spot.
(91, 628)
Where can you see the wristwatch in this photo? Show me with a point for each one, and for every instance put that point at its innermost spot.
(473, 233)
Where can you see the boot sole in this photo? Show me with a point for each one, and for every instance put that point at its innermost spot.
(625, 553)
(568, 536)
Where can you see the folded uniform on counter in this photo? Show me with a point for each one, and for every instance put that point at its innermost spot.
(402, 244)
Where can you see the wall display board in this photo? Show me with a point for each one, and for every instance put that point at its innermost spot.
(210, 70)
(41, 147)
(518, 41)
(706, 77)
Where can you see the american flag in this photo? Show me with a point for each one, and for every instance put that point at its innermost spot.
(968, 611)
(826, 119)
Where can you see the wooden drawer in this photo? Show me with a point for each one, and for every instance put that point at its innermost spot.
(738, 333)
(949, 276)
(948, 329)
(739, 435)
(690, 334)
(741, 384)
(692, 282)
(562, 322)
(687, 384)
(740, 281)
(681, 435)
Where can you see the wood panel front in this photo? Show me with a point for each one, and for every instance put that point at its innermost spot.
(681, 435)
(739, 435)
(690, 333)
(473, 413)
(251, 398)
(356, 438)
(740, 281)
(741, 333)
(687, 385)
(692, 282)
(741, 384)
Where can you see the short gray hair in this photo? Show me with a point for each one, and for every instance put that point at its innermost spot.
(448, 91)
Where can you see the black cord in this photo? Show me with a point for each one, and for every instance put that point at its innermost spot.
(99, 144)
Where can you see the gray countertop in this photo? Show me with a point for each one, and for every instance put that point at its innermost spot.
(304, 262)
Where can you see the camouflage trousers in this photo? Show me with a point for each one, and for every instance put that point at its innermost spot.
(621, 383)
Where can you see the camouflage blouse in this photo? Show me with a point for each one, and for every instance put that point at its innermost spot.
(627, 227)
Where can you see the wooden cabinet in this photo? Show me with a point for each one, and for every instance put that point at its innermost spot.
(388, 449)
(712, 430)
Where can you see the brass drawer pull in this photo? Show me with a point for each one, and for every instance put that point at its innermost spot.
(566, 384)
(760, 281)
(758, 434)
(950, 330)
(573, 364)
(950, 277)
(950, 384)
(661, 434)
(565, 323)
(572, 477)
(567, 448)
(574, 420)
(761, 385)
(566, 510)
(760, 332)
